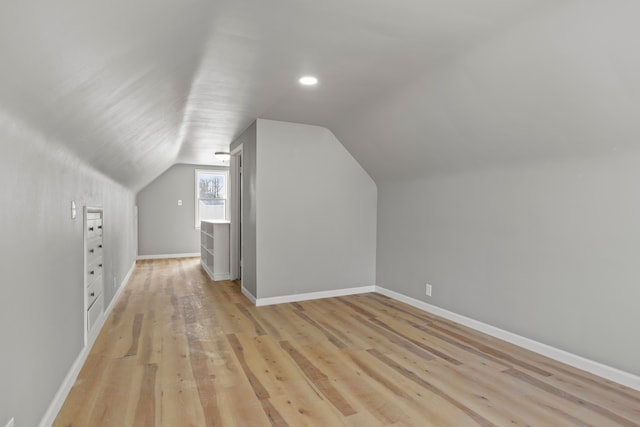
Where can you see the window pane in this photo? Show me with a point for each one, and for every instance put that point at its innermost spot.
(212, 185)
(211, 209)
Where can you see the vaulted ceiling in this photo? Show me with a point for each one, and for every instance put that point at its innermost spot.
(133, 87)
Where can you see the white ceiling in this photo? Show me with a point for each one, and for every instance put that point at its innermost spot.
(133, 87)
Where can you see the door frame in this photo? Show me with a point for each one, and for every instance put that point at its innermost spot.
(235, 174)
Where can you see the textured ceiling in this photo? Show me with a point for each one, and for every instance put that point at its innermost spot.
(133, 87)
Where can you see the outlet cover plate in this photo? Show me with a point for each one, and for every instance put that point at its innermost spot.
(428, 289)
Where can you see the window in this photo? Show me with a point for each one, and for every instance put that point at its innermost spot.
(211, 195)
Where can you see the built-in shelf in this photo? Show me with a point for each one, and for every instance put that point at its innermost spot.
(93, 268)
(214, 249)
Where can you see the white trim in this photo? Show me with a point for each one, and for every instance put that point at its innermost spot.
(238, 148)
(235, 181)
(314, 295)
(224, 170)
(85, 223)
(119, 291)
(167, 256)
(247, 294)
(596, 368)
(64, 389)
(217, 276)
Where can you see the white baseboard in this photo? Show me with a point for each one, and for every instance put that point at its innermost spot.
(314, 295)
(167, 256)
(247, 294)
(62, 393)
(217, 276)
(120, 288)
(596, 368)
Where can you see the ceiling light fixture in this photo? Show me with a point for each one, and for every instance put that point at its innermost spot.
(308, 81)
(223, 155)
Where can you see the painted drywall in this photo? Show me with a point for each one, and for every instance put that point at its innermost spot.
(110, 81)
(547, 251)
(316, 212)
(136, 87)
(560, 85)
(41, 260)
(164, 228)
(514, 187)
(249, 152)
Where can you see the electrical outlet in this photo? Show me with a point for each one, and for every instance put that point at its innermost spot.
(10, 423)
(115, 283)
(428, 290)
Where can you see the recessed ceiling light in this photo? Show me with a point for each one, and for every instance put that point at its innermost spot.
(308, 81)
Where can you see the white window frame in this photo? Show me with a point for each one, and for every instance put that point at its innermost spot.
(219, 171)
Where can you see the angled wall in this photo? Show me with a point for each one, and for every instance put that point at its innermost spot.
(315, 213)
(513, 190)
(41, 260)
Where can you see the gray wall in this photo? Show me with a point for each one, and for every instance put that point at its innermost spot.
(163, 226)
(41, 260)
(520, 201)
(316, 217)
(548, 251)
(248, 141)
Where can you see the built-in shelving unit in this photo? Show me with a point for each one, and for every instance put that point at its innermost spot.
(214, 249)
(93, 268)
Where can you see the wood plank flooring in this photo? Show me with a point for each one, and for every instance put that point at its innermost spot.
(181, 350)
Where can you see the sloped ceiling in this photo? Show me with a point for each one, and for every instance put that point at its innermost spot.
(558, 86)
(133, 87)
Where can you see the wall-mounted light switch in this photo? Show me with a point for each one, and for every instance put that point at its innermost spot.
(74, 211)
(179, 202)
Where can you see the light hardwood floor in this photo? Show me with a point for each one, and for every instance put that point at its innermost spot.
(181, 350)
